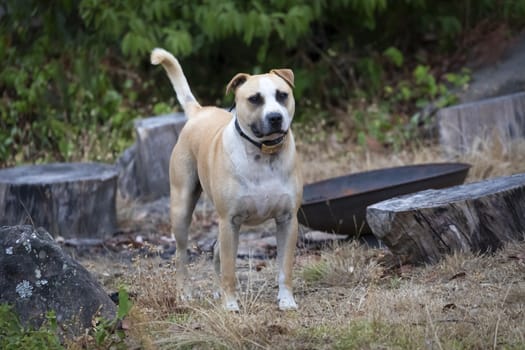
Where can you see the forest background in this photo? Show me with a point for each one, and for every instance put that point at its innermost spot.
(76, 74)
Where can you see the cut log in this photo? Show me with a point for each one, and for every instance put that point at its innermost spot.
(156, 137)
(478, 217)
(128, 187)
(470, 126)
(67, 199)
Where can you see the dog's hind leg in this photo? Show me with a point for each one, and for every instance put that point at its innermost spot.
(185, 191)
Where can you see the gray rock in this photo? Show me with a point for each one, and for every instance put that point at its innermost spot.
(505, 77)
(36, 276)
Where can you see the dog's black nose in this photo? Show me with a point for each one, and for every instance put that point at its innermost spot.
(275, 119)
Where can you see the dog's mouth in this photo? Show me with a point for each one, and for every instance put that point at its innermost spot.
(270, 134)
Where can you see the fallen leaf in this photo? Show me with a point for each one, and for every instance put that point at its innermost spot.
(260, 266)
(125, 324)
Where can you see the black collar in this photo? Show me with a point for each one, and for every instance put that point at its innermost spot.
(266, 147)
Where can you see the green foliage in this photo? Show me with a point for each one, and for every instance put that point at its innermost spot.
(58, 102)
(13, 336)
(393, 122)
(394, 55)
(315, 272)
(377, 122)
(75, 74)
(106, 333)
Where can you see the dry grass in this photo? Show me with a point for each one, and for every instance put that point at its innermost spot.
(349, 296)
(328, 158)
(354, 301)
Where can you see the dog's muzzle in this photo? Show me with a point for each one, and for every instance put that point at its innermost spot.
(272, 124)
(266, 147)
(274, 121)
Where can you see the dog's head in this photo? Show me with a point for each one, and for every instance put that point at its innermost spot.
(264, 103)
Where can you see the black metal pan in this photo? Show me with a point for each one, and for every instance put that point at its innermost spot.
(339, 204)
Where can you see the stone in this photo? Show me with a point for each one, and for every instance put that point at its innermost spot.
(504, 77)
(37, 276)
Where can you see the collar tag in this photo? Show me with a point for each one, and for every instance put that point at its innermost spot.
(271, 149)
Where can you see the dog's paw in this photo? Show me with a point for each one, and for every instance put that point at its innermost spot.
(287, 304)
(286, 300)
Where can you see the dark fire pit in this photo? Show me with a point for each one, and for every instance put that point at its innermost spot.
(339, 204)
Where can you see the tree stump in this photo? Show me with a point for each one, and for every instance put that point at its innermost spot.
(478, 217)
(156, 137)
(67, 199)
(467, 127)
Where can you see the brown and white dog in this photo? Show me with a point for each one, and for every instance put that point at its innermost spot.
(246, 162)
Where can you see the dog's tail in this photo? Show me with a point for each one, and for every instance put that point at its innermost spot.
(177, 78)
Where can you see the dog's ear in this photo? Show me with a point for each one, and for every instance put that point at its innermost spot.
(236, 81)
(285, 74)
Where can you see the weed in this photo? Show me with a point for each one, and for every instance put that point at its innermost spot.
(315, 272)
(106, 334)
(14, 336)
(365, 334)
(346, 264)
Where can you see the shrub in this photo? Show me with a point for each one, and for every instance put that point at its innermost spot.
(75, 74)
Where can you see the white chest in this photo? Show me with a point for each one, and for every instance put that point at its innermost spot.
(264, 193)
(264, 189)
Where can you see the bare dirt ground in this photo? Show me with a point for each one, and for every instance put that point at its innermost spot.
(350, 296)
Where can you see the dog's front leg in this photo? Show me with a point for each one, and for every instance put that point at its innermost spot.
(228, 243)
(287, 228)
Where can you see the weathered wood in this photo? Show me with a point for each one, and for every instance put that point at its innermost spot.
(465, 128)
(67, 199)
(425, 226)
(156, 137)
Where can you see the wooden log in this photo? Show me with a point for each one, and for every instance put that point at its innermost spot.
(470, 126)
(67, 199)
(156, 137)
(427, 225)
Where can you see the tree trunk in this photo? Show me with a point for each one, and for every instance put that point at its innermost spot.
(67, 199)
(156, 137)
(425, 226)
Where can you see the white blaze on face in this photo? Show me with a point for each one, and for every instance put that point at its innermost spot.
(267, 89)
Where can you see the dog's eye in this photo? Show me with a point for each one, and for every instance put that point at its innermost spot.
(281, 96)
(256, 99)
